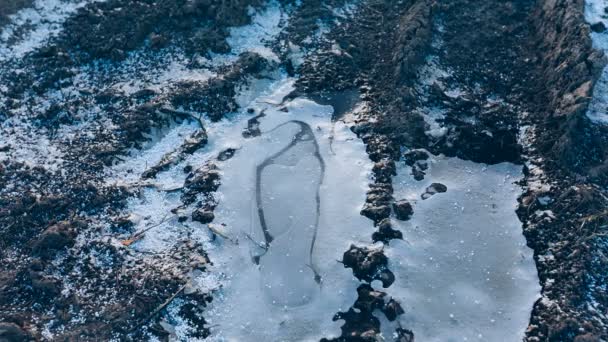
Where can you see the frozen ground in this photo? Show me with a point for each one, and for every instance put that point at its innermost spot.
(289, 207)
(31, 27)
(463, 268)
(463, 271)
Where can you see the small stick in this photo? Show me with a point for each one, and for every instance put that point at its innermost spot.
(135, 237)
(161, 307)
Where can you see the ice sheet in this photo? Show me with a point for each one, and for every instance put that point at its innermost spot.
(464, 272)
(280, 300)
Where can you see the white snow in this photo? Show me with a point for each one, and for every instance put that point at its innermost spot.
(265, 26)
(464, 272)
(594, 13)
(41, 22)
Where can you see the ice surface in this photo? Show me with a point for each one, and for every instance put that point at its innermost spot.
(287, 199)
(594, 13)
(464, 272)
(280, 299)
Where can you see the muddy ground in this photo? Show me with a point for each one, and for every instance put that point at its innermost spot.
(523, 72)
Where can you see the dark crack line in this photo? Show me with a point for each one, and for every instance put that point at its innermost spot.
(298, 138)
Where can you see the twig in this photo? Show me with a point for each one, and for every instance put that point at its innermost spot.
(135, 237)
(161, 307)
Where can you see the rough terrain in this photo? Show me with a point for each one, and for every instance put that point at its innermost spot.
(116, 110)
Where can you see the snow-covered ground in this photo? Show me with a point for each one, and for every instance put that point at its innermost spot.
(595, 13)
(464, 272)
(31, 27)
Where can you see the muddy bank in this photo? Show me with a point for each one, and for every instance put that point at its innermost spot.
(563, 206)
(569, 68)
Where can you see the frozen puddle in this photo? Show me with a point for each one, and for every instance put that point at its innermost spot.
(286, 225)
(293, 205)
(464, 272)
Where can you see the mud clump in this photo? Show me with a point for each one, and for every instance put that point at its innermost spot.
(567, 135)
(216, 97)
(203, 215)
(368, 265)
(204, 180)
(403, 210)
(226, 154)
(360, 323)
(55, 238)
(385, 232)
(433, 189)
(196, 141)
(112, 28)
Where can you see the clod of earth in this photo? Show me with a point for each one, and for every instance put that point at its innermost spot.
(368, 264)
(403, 210)
(433, 189)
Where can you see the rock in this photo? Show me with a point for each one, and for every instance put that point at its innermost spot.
(11, 332)
(403, 210)
(203, 216)
(54, 238)
(598, 27)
